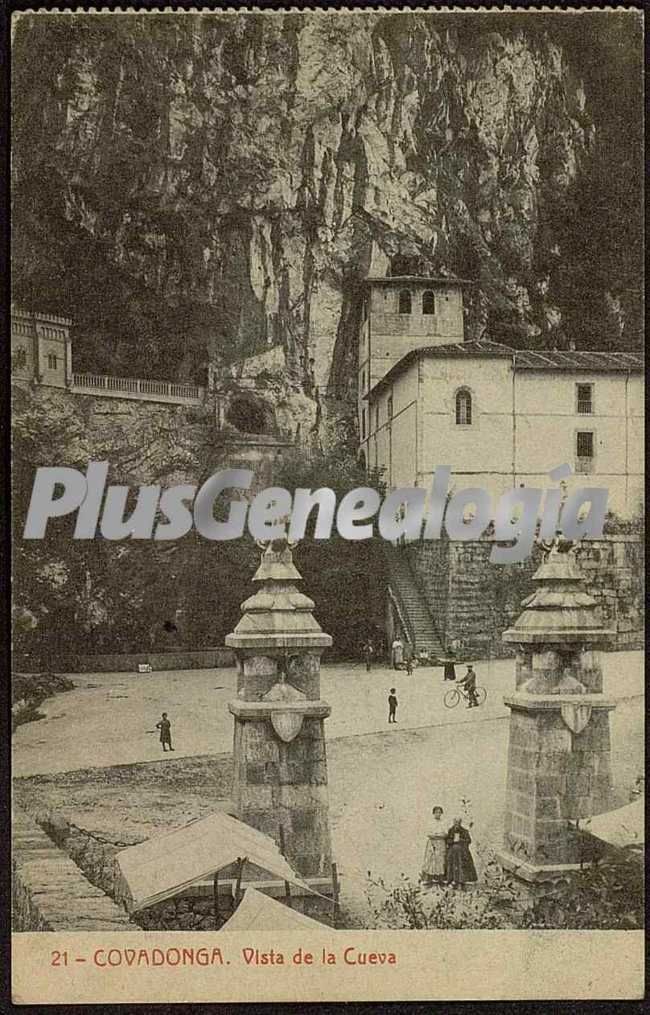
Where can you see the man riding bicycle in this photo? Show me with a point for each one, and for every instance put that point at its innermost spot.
(469, 683)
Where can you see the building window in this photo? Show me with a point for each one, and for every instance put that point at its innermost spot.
(363, 424)
(584, 451)
(19, 360)
(405, 302)
(463, 408)
(428, 302)
(376, 417)
(51, 361)
(585, 399)
(389, 407)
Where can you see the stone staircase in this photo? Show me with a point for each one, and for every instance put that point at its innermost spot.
(411, 604)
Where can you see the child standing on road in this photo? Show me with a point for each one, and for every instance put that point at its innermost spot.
(165, 728)
(392, 705)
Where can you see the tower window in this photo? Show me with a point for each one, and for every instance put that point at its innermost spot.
(428, 302)
(376, 417)
(51, 361)
(363, 424)
(463, 407)
(389, 407)
(405, 302)
(585, 399)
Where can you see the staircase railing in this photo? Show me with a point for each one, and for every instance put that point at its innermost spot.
(399, 562)
(418, 585)
(405, 623)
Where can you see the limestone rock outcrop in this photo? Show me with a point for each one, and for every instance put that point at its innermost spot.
(202, 188)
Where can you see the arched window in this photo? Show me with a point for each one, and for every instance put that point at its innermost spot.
(428, 302)
(463, 407)
(405, 302)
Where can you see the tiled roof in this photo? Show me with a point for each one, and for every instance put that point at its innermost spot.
(524, 359)
(418, 280)
(584, 359)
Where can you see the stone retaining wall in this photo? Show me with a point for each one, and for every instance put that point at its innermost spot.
(50, 892)
(128, 663)
(475, 601)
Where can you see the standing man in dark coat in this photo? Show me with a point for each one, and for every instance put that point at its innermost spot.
(450, 669)
(165, 728)
(459, 866)
(392, 705)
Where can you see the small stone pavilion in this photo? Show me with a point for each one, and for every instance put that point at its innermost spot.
(559, 749)
(280, 765)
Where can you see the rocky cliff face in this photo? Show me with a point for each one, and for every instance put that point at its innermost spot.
(194, 189)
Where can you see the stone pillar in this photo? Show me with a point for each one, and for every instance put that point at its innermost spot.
(280, 764)
(68, 359)
(559, 747)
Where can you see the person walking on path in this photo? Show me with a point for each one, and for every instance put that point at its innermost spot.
(392, 705)
(397, 654)
(469, 683)
(459, 865)
(450, 669)
(368, 652)
(165, 728)
(408, 656)
(435, 850)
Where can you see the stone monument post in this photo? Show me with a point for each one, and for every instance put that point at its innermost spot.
(280, 765)
(559, 745)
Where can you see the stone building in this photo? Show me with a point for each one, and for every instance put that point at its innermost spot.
(244, 417)
(41, 349)
(498, 417)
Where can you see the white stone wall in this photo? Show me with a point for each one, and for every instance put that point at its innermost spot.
(522, 427)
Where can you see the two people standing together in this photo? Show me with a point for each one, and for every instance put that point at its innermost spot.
(447, 856)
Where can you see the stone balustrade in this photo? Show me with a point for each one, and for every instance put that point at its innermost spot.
(137, 388)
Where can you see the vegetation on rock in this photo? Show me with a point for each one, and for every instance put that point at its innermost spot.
(201, 187)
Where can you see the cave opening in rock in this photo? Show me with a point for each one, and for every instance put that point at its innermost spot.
(248, 415)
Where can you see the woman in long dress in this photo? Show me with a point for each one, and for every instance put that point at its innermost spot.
(435, 851)
(450, 669)
(460, 866)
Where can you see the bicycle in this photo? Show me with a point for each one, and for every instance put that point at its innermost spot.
(454, 694)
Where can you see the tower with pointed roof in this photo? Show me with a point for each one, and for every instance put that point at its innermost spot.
(280, 763)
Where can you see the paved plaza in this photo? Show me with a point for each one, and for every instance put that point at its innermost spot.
(106, 719)
(383, 779)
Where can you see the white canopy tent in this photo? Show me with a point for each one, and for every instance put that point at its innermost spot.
(623, 828)
(259, 912)
(160, 868)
